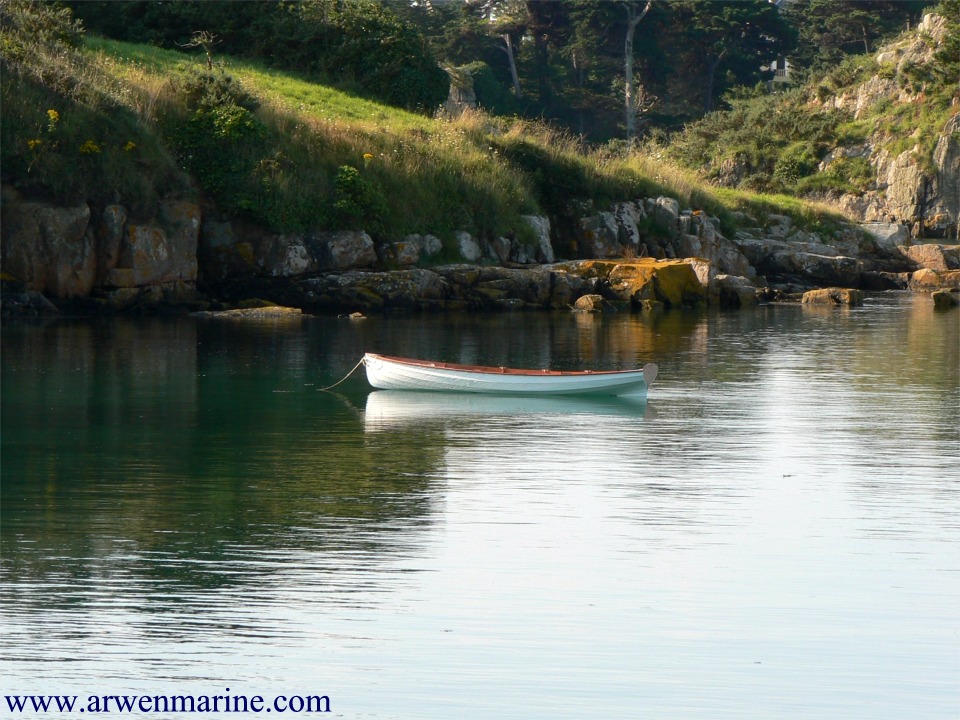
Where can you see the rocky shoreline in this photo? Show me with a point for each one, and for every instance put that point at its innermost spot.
(646, 255)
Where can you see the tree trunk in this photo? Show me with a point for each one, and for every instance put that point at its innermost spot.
(708, 86)
(508, 49)
(578, 74)
(633, 19)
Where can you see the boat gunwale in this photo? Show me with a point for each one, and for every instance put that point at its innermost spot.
(494, 370)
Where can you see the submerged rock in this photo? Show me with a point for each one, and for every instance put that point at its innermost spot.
(946, 299)
(589, 303)
(258, 313)
(833, 296)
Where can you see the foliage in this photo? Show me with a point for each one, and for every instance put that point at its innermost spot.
(358, 201)
(292, 155)
(735, 37)
(207, 89)
(39, 22)
(948, 56)
(830, 29)
(365, 42)
(220, 146)
(361, 45)
(66, 132)
(780, 142)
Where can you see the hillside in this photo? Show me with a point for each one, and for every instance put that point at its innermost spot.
(877, 137)
(134, 175)
(106, 121)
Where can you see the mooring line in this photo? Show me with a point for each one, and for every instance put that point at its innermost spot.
(324, 389)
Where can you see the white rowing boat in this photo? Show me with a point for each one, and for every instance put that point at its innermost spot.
(395, 373)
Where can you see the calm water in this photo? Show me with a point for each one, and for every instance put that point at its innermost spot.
(775, 533)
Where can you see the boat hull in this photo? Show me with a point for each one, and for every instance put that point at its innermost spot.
(386, 373)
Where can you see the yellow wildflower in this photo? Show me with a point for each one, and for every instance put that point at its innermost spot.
(89, 148)
(368, 156)
(34, 144)
(53, 115)
(130, 146)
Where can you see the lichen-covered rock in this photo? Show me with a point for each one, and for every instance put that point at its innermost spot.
(934, 256)
(706, 273)
(833, 296)
(119, 278)
(887, 235)
(778, 226)
(468, 247)
(946, 160)
(598, 237)
(541, 229)
(502, 248)
(672, 282)
(288, 256)
(46, 247)
(666, 212)
(110, 233)
(406, 252)
(801, 262)
(927, 280)
(272, 312)
(627, 216)
(348, 249)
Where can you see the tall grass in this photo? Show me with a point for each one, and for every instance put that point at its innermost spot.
(71, 130)
(318, 158)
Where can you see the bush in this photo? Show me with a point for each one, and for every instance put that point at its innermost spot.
(208, 89)
(358, 202)
(221, 146)
(795, 162)
(39, 22)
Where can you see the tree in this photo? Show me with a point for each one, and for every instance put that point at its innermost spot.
(631, 107)
(829, 29)
(505, 22)
(739, 37)
(511, 22)
(206, 40)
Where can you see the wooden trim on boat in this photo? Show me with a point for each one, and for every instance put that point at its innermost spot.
(492, 370)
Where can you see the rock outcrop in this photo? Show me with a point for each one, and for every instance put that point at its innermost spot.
(648, 254)
(71, 253)
(922, 193)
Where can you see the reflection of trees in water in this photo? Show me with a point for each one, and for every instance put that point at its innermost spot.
(197, 454)
(147, 454)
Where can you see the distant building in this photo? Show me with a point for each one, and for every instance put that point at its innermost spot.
(781, 66)
(781, 70)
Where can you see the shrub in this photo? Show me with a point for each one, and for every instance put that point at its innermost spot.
(221, 146)
(795, 162)
(207, 89)
(358, 202)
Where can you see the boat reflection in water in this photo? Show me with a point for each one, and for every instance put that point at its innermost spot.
(394, 409)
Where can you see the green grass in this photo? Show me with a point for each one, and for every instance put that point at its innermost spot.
(308, 157)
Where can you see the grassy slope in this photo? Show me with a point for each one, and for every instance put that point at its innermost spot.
(418, 174)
